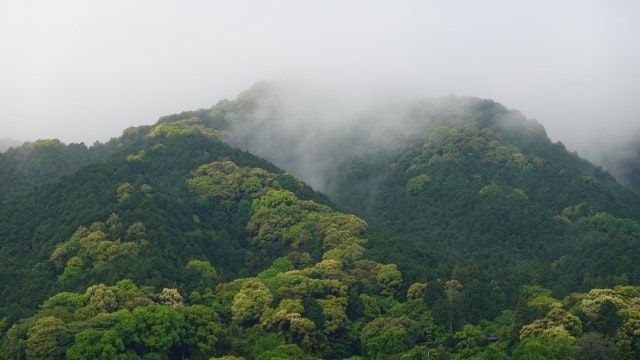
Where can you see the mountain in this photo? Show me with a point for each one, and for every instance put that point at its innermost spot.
(455, 184)
(472, 235)
(142, 182)
(488, 188)
(95, 247)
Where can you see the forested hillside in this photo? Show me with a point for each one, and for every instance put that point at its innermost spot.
(35, 163)
(456, 184)
(457, 230)
(494, 203)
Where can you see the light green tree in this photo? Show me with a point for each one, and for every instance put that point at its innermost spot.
(43, 339)
(124, 191)
(387, 337)
(389, 279)
(96, 344)
(250, 302)
(101, 297)
(416, 291)
(468, 341)
(204, 269)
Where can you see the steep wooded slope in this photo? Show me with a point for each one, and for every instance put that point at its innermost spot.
(488, 221)
(457, 188)
(484, 200)
(144, 182)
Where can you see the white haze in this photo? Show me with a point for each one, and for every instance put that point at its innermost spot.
(302, 128)
(85, 70)
(314, 131)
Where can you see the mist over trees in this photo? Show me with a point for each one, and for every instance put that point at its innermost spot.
(623, 161)
(310, 131)
(6, 143)
(450, 227)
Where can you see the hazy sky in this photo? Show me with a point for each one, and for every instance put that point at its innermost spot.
(85, 70)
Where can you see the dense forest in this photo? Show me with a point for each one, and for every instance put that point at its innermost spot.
(460, 232)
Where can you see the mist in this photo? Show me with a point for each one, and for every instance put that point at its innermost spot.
(6, 143)
(84, 71)
(313, 131)
(304, 129)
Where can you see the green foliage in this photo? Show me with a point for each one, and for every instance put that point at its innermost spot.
(469, 341)
(416, 291)
(383, 337)
(226, 181)
(182, 128)
(170, 297)
(557, 322)
(204, 269)
(533, 348)
(68, 300)
(274, 199)
(94, 250)
(279, 265)
(95, 344)
(370, 307)
(416, 184)
(476, 204)
(334, 312)
(265, 343)
(593, 346)
(157, 328)
(284, 352)
(40, 162)
(389, 279)
(44, 339)
(139, 156)
(490, 190)
(124, 191)
(250, 302)
(489, 209)
(74, 267)
(101, 298)
(546, 347)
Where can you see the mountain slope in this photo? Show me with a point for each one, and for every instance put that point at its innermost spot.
(143, 182)
(482, 197)
(488, 221)
(457, 188)
(173, 203)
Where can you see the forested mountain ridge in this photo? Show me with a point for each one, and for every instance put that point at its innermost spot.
(456, 183)
(502, 197)
(143, 181)
(174, 244)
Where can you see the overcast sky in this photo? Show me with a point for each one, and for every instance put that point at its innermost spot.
(85, 70)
